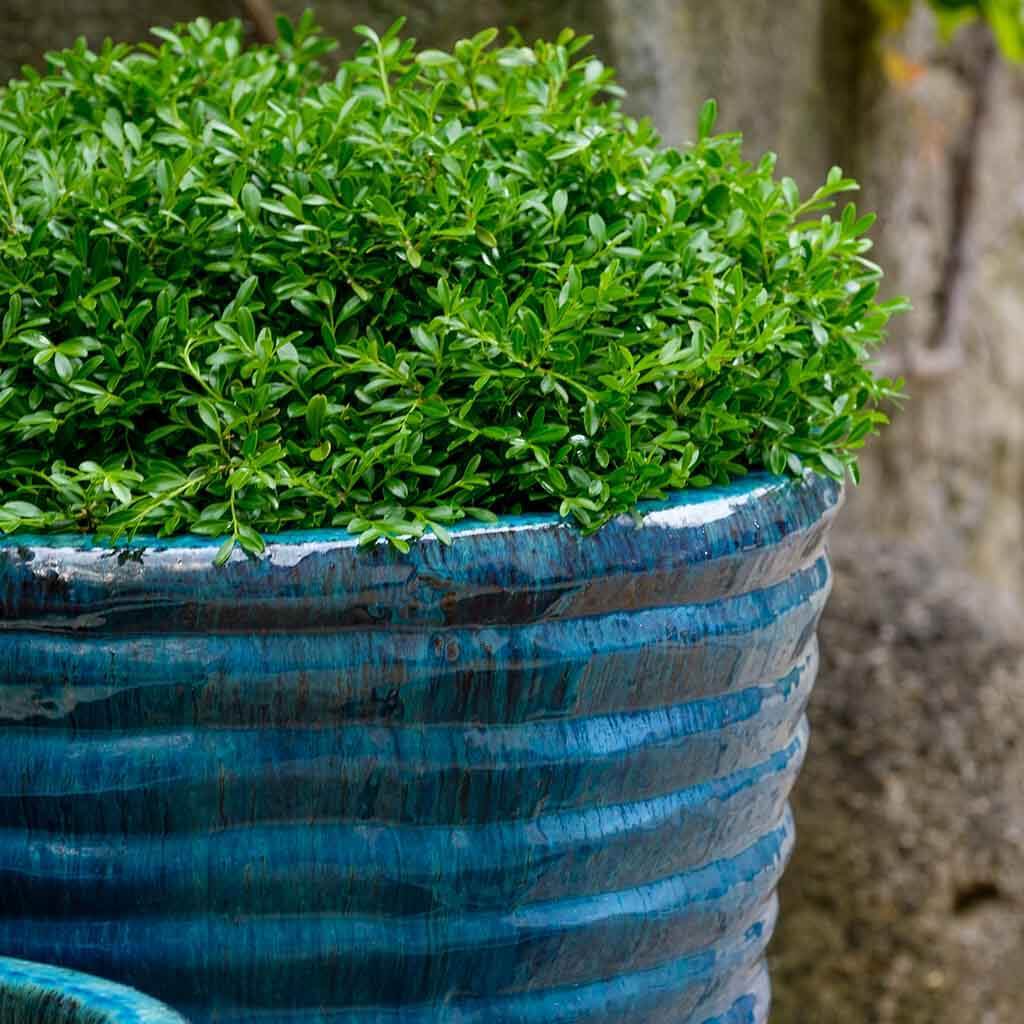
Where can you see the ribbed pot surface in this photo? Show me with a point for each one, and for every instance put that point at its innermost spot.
(531, 777)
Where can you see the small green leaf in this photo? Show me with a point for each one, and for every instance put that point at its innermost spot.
(63, 366)
(706, 119)
(736, 223)
(250, 540)
(716, 202)
(441, 533)
(316, 414)
(224, 551)
(22, 509)
(832, 465)
(425, 341)
(485, 237)
(251, 199)
(434, 58)
(285, 29)
(208, 415)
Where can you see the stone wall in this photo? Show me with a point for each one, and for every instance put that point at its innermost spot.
(905, 901)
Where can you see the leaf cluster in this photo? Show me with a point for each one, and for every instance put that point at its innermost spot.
(240, 296)
(1004, 17)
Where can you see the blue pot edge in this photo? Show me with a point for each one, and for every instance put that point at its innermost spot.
(752, 487)
(119, 1004)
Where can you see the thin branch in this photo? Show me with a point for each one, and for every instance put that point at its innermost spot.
(260, 13)
(945, 350)
(944, 353)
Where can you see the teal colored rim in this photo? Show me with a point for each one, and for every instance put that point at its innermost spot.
(40, 993)
(697, 499)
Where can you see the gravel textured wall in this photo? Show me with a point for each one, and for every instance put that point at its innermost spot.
(905, 902)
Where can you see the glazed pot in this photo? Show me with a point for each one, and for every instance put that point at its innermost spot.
(41, 994)
(534, 776)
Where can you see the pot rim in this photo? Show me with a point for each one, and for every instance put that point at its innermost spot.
(116, 1004)
(680, 510)
(710, 541)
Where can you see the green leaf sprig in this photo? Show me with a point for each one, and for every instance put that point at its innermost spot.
(240, 297)
(1004, 17)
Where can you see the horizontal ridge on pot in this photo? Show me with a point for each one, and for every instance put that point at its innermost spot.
(431, 868)
(531, 776)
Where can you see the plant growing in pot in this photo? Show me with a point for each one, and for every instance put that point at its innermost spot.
(416, 483)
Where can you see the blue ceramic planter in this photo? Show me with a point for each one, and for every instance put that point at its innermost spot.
(532, 777)
(40, 994)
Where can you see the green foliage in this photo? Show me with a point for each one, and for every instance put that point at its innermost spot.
(1005, 17)
(237, 297)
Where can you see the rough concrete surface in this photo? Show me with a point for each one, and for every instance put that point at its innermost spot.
(941, 158)
(904, 903)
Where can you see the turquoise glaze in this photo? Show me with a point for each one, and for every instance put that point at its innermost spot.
(40, 994)
(531, 777)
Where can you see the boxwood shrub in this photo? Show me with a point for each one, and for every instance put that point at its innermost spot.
(242, 294)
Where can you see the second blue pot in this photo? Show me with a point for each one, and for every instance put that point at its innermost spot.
(42, 994)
